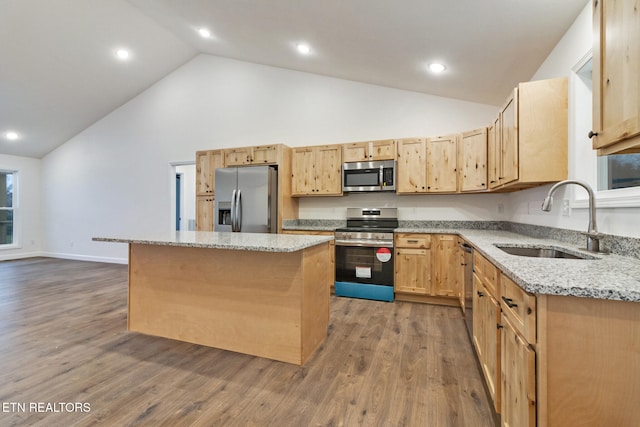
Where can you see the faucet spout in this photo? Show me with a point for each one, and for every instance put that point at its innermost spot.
(593, 237)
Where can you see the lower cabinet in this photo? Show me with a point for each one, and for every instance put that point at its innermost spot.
(518, 406)
(427, 268)
(486, 336)
(204, 213)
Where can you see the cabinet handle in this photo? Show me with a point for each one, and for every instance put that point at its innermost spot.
(499, 326)
(412, 241)
(491, 182)
(592, 134)
(480, 294)
(509, 302)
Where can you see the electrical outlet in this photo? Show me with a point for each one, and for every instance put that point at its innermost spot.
(566, 208)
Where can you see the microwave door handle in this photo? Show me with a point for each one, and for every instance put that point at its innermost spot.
(381, 178)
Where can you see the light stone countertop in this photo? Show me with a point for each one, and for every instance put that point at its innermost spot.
(605, 276)
(260, 242)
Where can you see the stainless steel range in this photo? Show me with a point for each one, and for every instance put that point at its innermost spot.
(364, 254)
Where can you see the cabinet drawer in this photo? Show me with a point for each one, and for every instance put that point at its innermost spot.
(418, 241)
(487, 272)
(519, 307)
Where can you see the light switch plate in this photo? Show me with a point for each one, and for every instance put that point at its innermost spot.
(566, 207)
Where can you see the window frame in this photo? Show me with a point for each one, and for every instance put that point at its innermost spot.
(616, 198)
(15, 244)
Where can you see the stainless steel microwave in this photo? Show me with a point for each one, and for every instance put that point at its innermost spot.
(369, 176)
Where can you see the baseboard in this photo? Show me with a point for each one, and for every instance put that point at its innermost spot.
(109, 260)
(21, 255)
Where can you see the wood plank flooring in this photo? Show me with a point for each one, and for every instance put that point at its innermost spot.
(63, 339)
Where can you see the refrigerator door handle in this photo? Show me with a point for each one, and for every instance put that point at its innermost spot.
(233, 211)
(239, 211)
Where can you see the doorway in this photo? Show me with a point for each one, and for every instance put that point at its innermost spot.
(183, 196)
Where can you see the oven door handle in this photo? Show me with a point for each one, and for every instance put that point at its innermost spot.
(359, 243)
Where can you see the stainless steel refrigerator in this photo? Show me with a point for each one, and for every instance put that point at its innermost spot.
(246, 199)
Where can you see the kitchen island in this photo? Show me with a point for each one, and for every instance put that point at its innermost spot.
(260, 294)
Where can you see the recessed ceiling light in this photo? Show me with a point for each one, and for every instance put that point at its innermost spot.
(303, 48)
(435, 67)
(204, 33)
(122, 54)
(11, 135)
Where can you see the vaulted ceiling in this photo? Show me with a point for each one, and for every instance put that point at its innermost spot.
(59, 73)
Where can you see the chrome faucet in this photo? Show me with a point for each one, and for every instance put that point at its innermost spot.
(593, 237)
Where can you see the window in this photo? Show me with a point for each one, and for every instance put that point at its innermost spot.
(7, 206)
(615, 178)
(618, 171)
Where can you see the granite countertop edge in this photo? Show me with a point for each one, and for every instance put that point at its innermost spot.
(260, 242)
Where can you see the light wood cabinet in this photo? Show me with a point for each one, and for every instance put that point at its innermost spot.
(316, 171)
(427, 165)
(616, 76)
(411, 173)
(518, 382)
(413, 271)
(442, 164)
(557, 360)
(204, 213)
(472, 160)
(369, 151)
(412, 264)
(258, 155)
(206, 164)
(446, 266)
(528, 142)
(486, 322)
(427, 268)
(518, 406)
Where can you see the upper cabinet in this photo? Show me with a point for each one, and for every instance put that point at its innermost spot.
(616, 76)
(369, 151)
(442, 164)
(472, 160)
(527, 144)
(206, 163)
(316, 171)
(411, 173)
(259, 155)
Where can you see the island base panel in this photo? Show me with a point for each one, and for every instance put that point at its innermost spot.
(273, 305)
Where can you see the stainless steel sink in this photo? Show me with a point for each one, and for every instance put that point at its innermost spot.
(541, 252)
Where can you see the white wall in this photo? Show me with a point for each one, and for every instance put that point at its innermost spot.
(115, 178)
(524, 206)
(28, 214)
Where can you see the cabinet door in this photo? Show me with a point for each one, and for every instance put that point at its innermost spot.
(486, 337)
(446, 266)
(413, 271)
(204, 173)
(237, 156)
(204, 213)
(355, 152)
(303, 174)
(264, 154)
(493, 153)
(472, 160)
(518, 406)
(411, 176)
(616, 75)
(509, 140)
(442, 164)
(328, 167)
(382, 150)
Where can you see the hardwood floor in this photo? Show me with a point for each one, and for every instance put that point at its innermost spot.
(63, 340)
